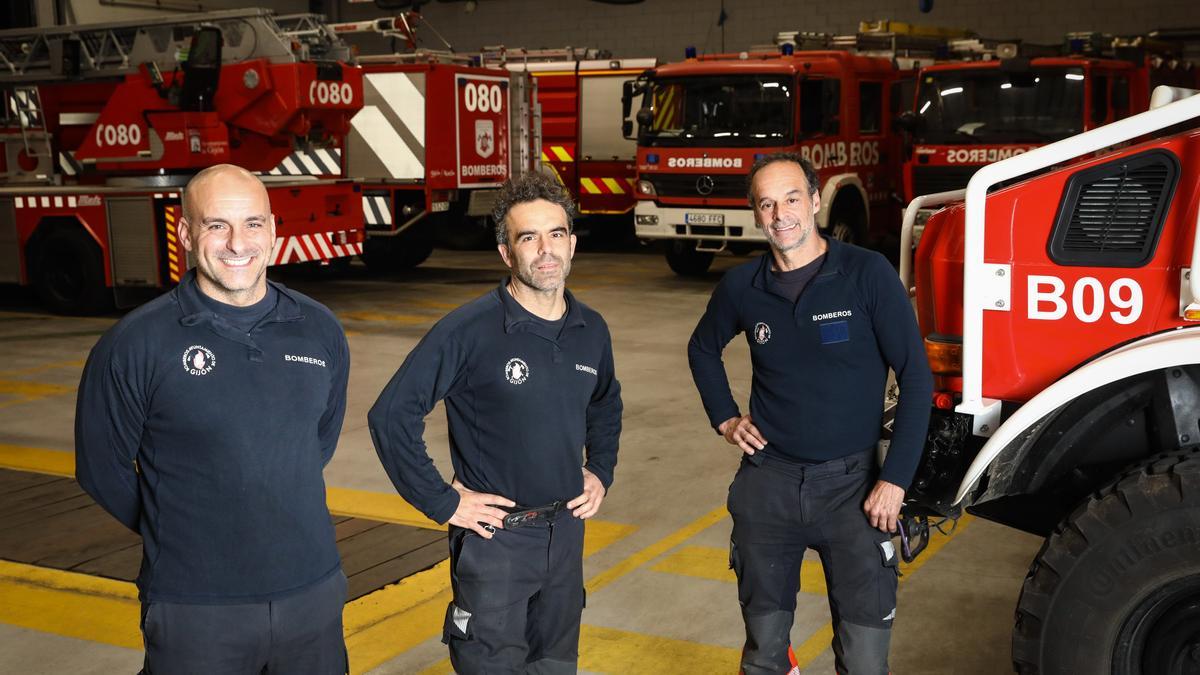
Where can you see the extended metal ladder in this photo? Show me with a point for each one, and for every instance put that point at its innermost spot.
(113, 49)
(25, 107)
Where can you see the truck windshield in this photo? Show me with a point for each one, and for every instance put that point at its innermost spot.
(993, 106)
(722, 111)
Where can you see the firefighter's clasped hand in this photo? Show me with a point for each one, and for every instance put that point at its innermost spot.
(587, 504)
(883, 505)
(740, 431)
(477, 510)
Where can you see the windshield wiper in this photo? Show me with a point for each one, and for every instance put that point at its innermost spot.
(959, 133)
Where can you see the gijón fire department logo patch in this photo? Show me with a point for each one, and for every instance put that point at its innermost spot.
(762, 333)
(485, 138)
(198, 360)
(516, 371)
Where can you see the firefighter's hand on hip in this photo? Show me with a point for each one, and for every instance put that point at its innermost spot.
(883, 505)
(477, 510)
(740, 431)
(587, 504)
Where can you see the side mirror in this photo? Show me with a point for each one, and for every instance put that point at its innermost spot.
(627, 129)
(906, 121)
(626, 98)
(645, 117)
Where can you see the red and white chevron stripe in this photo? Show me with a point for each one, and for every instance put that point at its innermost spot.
(316, 246)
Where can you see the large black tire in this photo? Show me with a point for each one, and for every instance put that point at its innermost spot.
(842, 230)
(846, 224)
(69, 274)
(1116, 587)
(685, 260)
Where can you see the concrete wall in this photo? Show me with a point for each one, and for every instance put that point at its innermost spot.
(663, 28)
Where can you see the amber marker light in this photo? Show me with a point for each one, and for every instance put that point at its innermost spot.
(945, 358)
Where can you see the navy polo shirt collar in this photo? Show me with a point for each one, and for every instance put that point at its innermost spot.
(835, 253)
(194, 310)
(517, 317)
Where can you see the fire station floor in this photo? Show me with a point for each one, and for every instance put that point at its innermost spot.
(660, 596)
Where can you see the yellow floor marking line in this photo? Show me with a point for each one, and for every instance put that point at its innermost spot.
(396, 618)
(386, 317)
(432, 304)
(107, 611)
(816, 644)
(37, 460)
(710, 562)
(27, 392)
(389, 508)
(599, 534)
(34, 370)
(378, 626)
(608, 650)
(66, 603)
(656, 549)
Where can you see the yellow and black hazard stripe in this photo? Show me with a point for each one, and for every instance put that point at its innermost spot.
(176, 259)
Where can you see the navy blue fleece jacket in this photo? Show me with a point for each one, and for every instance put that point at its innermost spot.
(209, 441)
(820, 365)
(524, 400)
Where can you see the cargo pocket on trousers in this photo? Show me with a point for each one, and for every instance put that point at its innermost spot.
(150, 625)
(735, 564)
(457, 624)
(888, 578)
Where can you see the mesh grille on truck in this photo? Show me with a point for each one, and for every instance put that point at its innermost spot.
(1111, 215)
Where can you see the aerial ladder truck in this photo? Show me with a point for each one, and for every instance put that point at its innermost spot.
(102, 125)
(436, 137)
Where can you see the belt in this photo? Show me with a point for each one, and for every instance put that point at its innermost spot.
(863, 460)
(520, 516)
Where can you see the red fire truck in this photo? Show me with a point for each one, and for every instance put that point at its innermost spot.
(579, 92)
(436, 136)
(999, 102)
(103, 124)
(1060, 317)
(703, 121)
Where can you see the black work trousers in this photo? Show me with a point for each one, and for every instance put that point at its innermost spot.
(779, 510)
(518, 598)
(297, 634)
